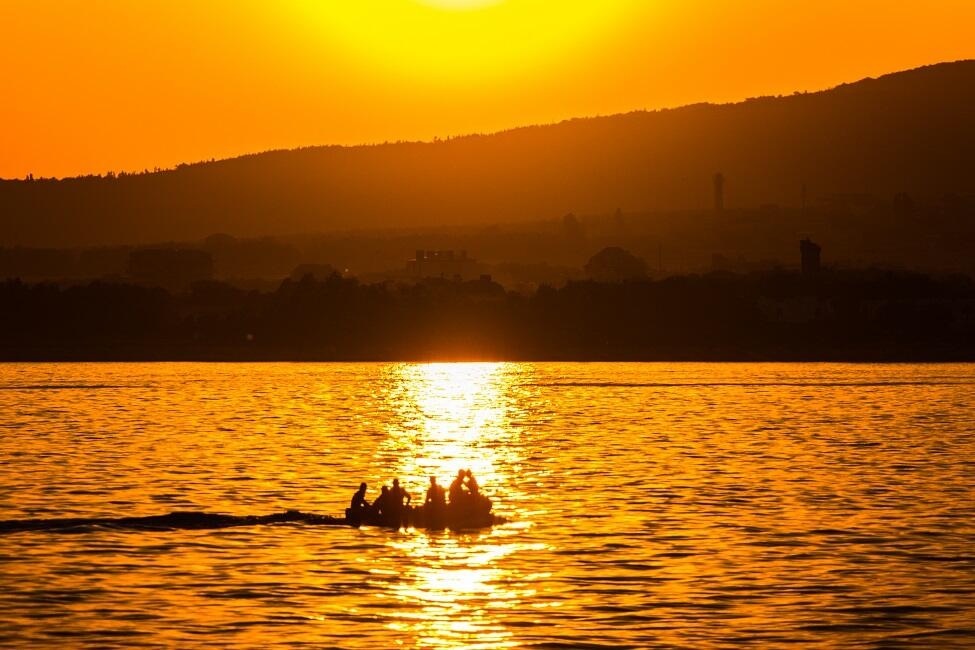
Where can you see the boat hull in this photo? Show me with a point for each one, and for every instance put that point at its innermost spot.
(449, 518)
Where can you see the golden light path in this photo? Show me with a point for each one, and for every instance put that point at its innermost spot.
(450, 417)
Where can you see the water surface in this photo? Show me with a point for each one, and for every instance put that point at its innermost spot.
(652, 505)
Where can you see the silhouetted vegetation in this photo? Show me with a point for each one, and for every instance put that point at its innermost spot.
(909, 133)
(868, 315)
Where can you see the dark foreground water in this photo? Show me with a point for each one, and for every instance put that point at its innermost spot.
(652, 505)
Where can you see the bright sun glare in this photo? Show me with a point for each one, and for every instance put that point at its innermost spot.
(454, 418)
(461, 41)
(460, 4)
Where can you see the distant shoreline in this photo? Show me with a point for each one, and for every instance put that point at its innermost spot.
(827, 316)
(46, 357)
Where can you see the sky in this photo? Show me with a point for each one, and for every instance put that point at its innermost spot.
(91, 86)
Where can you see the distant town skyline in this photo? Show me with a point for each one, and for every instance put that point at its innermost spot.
(127, 86)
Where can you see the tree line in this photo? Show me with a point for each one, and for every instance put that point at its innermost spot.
(864, 315)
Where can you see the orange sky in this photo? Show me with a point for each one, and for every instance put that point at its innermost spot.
(97, 85)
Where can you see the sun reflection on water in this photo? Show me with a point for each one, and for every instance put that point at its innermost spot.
(451, 417)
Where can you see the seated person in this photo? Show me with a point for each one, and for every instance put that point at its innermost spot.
(458, 494)
(472, 486)
(359, 506)
(381, 505)
(359, 499)
(436, 497)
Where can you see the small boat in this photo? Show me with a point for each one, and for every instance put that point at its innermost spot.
(470, 516)
(419, 517)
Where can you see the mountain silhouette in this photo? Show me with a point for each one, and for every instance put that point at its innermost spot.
(909, 132)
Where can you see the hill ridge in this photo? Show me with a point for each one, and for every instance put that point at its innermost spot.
(908, 131)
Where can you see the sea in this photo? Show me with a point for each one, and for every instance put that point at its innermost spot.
(648, 505)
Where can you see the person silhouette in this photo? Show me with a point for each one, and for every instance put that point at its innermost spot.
(358, 506)
(435, 505)
(472, 486)
(436, 497)
(381, 506)
(457, 494)
(397, 496)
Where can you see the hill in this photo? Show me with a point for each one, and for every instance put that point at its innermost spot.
(910, 132)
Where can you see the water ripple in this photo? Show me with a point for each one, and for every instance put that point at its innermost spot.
(652, 505)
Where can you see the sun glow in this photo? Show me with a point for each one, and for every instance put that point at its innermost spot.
(118, 84)
(463, 41)
(460, 4)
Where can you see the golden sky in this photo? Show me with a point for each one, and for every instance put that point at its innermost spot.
(96, 85)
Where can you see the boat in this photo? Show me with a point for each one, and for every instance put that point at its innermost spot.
(469, 516)
(418, 517)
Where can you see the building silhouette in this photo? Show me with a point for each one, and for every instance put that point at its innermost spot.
(810, 252)
(441, 264)
(320, 272)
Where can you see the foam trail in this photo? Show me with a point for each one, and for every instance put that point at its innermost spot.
(172, 521)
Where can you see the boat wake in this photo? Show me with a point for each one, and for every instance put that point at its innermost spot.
(211, 520)
(172, 521)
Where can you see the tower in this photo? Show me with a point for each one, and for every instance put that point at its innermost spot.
(718, 192)
(810, 252)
